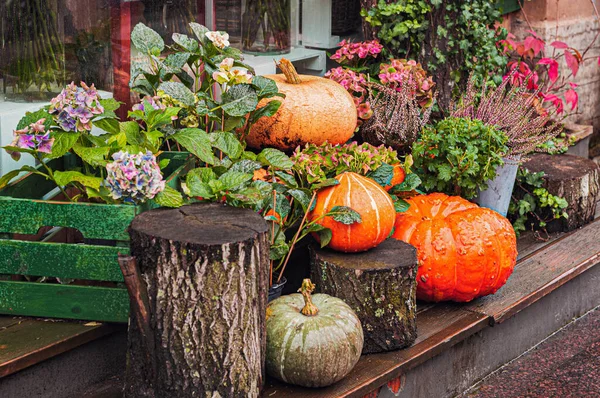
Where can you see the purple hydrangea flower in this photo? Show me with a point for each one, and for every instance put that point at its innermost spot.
(75, 106)
(33, 137)
(134, 178)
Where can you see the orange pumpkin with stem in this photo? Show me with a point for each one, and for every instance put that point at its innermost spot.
(368, 199)
(464, 251)
(315, 110)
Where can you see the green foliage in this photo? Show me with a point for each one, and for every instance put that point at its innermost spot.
(458, 156)
(182, 76)
(452, 39)
(532, 206)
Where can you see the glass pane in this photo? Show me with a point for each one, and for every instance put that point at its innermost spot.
(47, 43)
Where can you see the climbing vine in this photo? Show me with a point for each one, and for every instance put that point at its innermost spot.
(451, 39)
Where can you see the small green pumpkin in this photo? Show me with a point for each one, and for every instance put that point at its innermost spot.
(311, 341)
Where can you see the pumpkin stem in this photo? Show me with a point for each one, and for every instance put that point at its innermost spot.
(306, 289)
(291, 75)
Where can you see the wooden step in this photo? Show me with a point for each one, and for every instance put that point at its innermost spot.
(53, 358)
(543, 267)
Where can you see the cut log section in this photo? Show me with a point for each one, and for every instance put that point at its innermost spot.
(205, 269)
(379, 285)
(573, 178)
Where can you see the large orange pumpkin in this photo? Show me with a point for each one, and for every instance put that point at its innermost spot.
(315, 110)
(464, 251)
(368, 199)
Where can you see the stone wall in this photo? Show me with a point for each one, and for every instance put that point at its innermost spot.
(574, 22)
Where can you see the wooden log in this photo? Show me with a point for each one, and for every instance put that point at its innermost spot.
(206, 269)
(379, 285)
(574, 178)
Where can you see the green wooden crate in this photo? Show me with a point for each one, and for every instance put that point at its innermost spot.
(24, 209)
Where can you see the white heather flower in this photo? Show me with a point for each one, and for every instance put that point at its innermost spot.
(220, 40)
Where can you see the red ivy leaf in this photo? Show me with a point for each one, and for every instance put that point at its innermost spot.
(534, 44)
(572, 98)
(559, 44)
(572, 62)
(552, 68)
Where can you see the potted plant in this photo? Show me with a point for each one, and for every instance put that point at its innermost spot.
(512, 112)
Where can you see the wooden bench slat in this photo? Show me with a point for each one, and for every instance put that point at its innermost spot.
(543, 272)
(61, 260)
(32, 341)
(438, 327)
(64, 301)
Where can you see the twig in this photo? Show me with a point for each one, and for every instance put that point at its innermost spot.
(287, 258)
(140, 303)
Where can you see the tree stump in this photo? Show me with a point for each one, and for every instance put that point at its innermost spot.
(571, 177)
(205, 269)
(379, 285)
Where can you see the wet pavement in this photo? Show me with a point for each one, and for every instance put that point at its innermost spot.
(565, 365)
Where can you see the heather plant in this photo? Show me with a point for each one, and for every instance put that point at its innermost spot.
(511, 111)
(360, 68)
(458, 156)
(397, 117)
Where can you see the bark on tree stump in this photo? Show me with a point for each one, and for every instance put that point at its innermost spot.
(379, 285)
(574, 178)
(205, 268)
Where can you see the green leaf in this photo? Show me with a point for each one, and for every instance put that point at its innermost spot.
(32, 117)
(146, 39)
(289, 179)
(108, 125)
(132, 132)
(266, 87)
(401, 205)
(382, 175)
(276, 158)
(197, 182)
(265, 111)
(110, 104)
(163, 163)
(303, 197)
(239, 100)
(66, 177)
(199, 30)
(233, 180)
(63, 142)
(410, 183)
(186, 42)
(120, 139)
(197, 142)
(324, 237)
(345, 215)
(94, 156)
(6, 178)
(246, 166)
(325, 183)
(169, 197)
(178, 91)
(227, 143)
